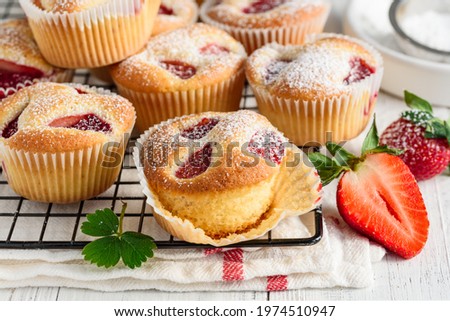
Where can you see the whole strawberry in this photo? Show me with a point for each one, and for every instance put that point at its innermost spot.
(377, 195)
(424, 139)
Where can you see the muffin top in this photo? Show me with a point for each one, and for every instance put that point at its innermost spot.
(192, 153)
(328, 67)
(174, 14)
(21, 60)
(67, 6)
(51, 117)
(264, 13)
(184, 59)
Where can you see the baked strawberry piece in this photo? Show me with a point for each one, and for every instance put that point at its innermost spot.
(425, 139)
(377, 195)
(21, 63)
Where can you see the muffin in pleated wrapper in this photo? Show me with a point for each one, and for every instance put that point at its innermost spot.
(96, 36)
(254, 37)
(63, 165)
(314, 119)
(294, 186)
(203, 72)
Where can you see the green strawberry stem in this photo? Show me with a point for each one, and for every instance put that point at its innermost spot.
(343, 161)
(122, 215)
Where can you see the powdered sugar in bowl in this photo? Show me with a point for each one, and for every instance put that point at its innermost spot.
(422, 28)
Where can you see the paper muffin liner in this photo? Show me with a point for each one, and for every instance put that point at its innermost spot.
(60, 76)
(298, 190)
(315, 122)
(95, 37)
(64, 177)
(153, 108)
(254, 38)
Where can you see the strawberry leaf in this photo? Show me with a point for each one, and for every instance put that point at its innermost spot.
(385, 149)
(136, 248)
(102, 223)
(416, 102)
(341, 156)
(372, 139)
(328, 168)
(103, 252)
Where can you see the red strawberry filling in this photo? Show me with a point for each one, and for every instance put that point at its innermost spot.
(179, 68)
(81, 91)
(261, 6)
(82, 122)
(359, 70)
(201, 129)
(274, 69)
(268, 145)
(196, 164)
(11, 128)
(12, 74)
(165, 10)
(213, 49)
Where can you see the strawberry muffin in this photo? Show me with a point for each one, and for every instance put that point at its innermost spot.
(63, 143)
(90, 34)
(321, 91)
(258, 22)
(204, 71)
(221, 178)
(21, 63)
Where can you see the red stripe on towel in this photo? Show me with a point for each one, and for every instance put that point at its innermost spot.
(277, 283)
(212, 251)
(233, 265)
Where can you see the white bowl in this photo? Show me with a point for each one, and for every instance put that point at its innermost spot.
(369, 20)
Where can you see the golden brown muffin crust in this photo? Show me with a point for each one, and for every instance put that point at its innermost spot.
(38, 105)
(144, 72)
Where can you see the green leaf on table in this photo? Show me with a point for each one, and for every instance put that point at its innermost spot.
(103, 252)
(102, 223)
(134, 248)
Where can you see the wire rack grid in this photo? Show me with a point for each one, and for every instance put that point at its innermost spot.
(29, 225)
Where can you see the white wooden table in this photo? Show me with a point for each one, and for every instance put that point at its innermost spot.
(424, 277)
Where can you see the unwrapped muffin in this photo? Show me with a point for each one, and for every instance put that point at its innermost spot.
(222, 178)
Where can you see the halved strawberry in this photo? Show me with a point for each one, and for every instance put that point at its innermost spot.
(196, 164)
(377, 195)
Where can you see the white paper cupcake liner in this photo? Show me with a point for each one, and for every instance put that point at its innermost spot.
(292, 199)
(314, 122)
(153, 108)
(95, 37)
(254, 38)
(64, 177)
(61, 76)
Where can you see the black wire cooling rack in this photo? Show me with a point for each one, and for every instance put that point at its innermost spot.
(29, 225)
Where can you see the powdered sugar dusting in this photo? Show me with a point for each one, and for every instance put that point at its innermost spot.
(319, 67)
(254, 13)
(184, 46)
